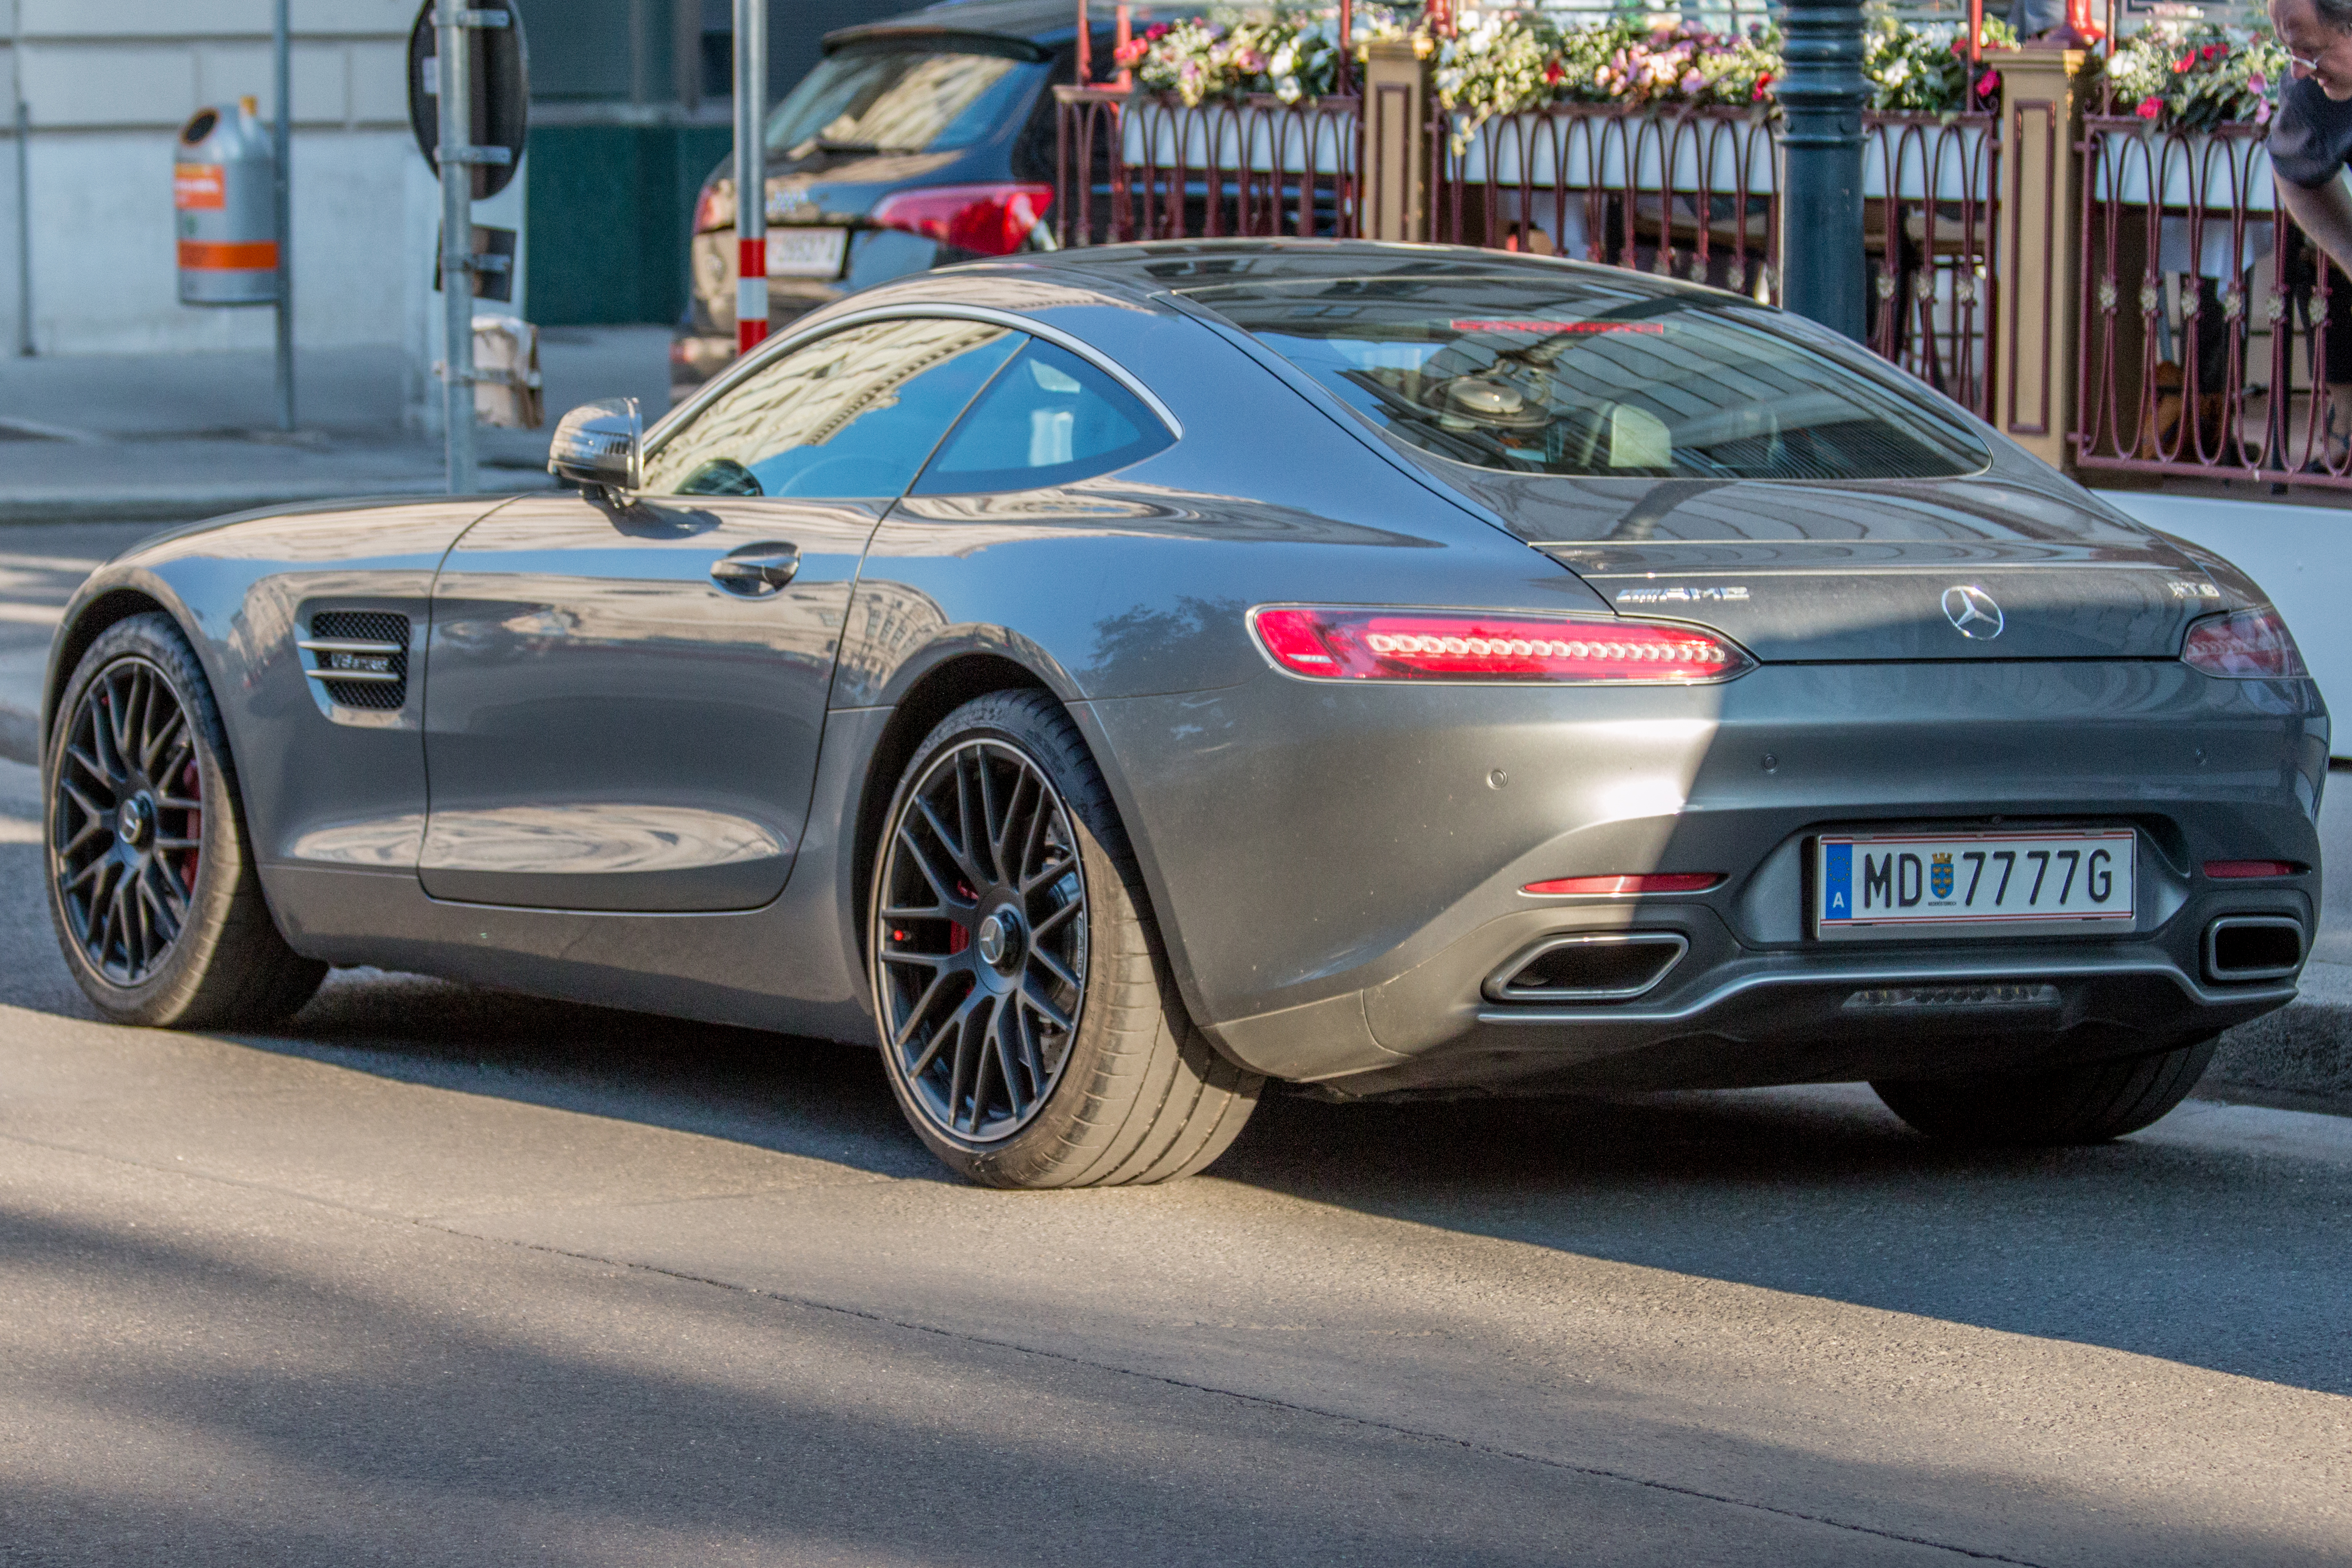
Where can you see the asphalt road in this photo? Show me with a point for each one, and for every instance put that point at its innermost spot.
(444, 1277)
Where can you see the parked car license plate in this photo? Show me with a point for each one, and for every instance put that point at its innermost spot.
(806, 252)
(1970, 884)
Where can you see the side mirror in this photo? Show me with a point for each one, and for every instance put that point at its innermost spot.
(599, 445)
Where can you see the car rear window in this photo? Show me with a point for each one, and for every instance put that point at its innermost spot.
(1595, 377)
(902, 96)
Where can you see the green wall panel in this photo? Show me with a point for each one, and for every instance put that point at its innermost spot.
(611, 212)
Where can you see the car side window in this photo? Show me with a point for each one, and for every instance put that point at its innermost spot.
(851, 415)
(1047, 419)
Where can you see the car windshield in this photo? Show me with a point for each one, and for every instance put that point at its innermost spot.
(901, 97)
(1590, 376)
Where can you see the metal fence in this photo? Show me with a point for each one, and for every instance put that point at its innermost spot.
(1148, 166)
(2212, 343)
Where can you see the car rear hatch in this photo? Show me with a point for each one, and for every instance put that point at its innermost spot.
(1975, 568)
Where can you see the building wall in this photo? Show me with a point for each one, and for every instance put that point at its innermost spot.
(106, 83)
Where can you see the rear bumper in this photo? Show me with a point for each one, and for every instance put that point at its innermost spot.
(1341, 876)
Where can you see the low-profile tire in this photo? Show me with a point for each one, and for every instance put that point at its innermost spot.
(153, 887)
(2085, 1104)
(1031, 1028)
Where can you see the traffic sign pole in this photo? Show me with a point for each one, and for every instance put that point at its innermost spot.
(454, 48)
(751, 174)
(284, 194)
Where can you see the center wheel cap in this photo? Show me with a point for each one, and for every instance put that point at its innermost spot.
(131, 821)
(998, 939)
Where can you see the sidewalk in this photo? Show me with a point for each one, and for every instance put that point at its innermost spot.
(172, 437)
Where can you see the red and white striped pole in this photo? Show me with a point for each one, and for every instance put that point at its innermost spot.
(751, 174)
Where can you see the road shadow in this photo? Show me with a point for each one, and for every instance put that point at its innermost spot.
(2230, 1261)
(437, 1404)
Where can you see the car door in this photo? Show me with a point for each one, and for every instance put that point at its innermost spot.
(624, 700)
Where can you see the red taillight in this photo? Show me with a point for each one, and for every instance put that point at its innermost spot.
(1628, 886)
(2241, 870)
(1331, 643)
(715, 209)
(2250, 645)
(993, 220)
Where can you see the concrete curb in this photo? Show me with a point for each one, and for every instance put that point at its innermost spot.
(186, 502)
(2303, 1049)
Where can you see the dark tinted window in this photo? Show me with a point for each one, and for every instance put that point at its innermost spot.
(1049, 418)
(902, 97)
(1596, 378)
(852, 415)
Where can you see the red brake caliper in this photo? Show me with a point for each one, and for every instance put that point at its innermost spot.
(192, 786)
(958, 937)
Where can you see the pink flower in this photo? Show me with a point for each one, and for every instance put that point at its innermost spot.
(2212, 52)
(2259, 82)
(1131, 52)
(2149, 107)
(1692, 81)
(2262, 115)
(1987, 84)
(1552, 73)
(1157, 31)
(2180, 67)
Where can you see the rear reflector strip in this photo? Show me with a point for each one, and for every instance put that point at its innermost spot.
(1338, 643)
(1627, 886)
(2242, 871)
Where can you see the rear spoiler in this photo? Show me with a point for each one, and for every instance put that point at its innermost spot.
(948, 39)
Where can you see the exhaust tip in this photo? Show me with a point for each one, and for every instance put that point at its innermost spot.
(1616, 967)
(2253, 947)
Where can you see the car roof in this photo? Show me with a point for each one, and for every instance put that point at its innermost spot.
(1043, 22)
(1171, 266)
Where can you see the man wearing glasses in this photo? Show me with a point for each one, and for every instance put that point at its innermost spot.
(2311, 139)
(2310, 142)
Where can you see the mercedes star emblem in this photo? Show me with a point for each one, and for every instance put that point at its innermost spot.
(1973, 612)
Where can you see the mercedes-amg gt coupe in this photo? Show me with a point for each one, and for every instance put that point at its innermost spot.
(1109, 680)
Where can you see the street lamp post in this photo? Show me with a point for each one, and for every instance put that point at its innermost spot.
(1821, 96)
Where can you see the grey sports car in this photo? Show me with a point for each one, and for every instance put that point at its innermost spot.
(1110, 680)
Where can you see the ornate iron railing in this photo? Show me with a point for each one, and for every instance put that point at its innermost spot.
(2208, 322)
(1147, 166)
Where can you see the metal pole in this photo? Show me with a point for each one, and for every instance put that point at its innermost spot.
(284, 194)
(1821, 97)
(751, 174)
(24, 182)
(454, 42)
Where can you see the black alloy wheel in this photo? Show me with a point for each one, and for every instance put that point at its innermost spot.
(1031, 1024)
(127, 821)
(983, 941)
(153, 886)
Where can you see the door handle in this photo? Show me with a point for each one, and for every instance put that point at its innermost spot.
(756, 570)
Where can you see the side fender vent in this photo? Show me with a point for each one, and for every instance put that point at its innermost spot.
(1610, 968)
(359, 658)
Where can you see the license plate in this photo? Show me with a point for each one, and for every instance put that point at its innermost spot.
(1973, 884)
(806, 252)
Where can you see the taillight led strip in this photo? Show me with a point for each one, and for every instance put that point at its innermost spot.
(1333, 642)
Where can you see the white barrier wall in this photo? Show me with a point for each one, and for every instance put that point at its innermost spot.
(107, 84)
(2302, 556)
